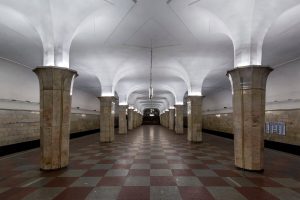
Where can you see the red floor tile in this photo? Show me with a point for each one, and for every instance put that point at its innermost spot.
(253, 193)
(112, 181)
(52, 173)
(106, 162)
(160, 166)
(141, 161)
(171, 154)
(162, 181)
(210, 162)
(95, 173)
(121, 166)
(227, 173)
(213, 181)
(74, 193)
(158, 157)
(195, 193)
(61, 182)
(197, 166)
(80, 166)
(7, 173)
(139, 172)
(12, 182)
(134, 193)
(189, 157)
(175, 161)
(16, 193)
(182, 172)
(264, 182)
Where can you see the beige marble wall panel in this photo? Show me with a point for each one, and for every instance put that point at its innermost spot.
(18, 126)
(224, 123)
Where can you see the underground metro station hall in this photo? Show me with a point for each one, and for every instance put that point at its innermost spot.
(149, 99)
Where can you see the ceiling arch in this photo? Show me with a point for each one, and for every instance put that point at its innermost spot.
(194, 41)
(282, 39)
(18, 34)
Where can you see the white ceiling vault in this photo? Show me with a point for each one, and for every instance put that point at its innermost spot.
(109, 41)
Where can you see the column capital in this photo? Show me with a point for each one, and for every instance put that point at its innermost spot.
(195, 100)
(55, 78)
(123, 107)
(250, 77)
(178, 106)
(107, 98)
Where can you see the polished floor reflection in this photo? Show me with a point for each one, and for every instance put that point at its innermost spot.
(151, 162)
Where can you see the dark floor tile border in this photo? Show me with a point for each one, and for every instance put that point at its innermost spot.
(288, 148)
(23, 146)
(218, 133)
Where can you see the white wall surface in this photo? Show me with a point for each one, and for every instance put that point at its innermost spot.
(19, 89)
(283, 92)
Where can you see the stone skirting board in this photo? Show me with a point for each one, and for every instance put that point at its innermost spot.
(18, 126)
(223, 123)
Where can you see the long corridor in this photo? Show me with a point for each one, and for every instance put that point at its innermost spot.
(150, 162)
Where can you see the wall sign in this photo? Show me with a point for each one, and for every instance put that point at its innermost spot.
(275, 128)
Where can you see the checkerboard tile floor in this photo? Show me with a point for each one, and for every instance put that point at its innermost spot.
(150, 162)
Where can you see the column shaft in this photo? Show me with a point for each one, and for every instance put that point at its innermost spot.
(171, 119)
(194, 112)
(249, 96)
(167, 119)
(179, 119)
(130, 119)
(55, 109)
(122, 120)
(107, 119)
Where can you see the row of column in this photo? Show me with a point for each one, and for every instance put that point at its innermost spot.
(249, 89)
(55, 109)
(107, 118)
(249, 97)
(135, 119)
(173, 119)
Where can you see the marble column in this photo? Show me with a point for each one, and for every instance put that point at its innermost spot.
(249, 97)
(140, 120)
(163, 119)
(55, 107)
(171, 119)
(179, 119)
(167, 119)
(160, 119)
(194, 112)
(134, 119)
(141, 123)
(107, 119)
(122, 120)
(130, 118)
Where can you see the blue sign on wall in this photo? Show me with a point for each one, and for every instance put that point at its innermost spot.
(275, 128)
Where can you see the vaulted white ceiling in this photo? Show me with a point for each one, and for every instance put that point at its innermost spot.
(109, 41)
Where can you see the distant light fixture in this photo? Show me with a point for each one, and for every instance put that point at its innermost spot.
(151, 66)
(150, 92)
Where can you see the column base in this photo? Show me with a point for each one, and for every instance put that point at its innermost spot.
(250, 170)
